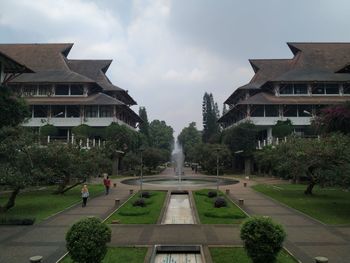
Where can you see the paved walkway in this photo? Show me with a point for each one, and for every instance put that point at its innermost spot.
(306, 238)
(19, 243)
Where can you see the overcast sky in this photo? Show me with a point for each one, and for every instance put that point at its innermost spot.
(167, 53)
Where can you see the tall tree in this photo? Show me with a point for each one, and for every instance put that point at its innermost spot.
(144, 126)
(189, 137)
(211, 113)
(14, 110)
(161, 135)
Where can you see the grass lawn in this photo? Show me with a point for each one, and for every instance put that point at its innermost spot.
(208, 214)
(120, 254)
(329, 205)
(238, 255)
(42, 203)
(129, 214)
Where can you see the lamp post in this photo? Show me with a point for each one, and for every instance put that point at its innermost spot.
(141, 170)
(217, 169)
(117, 155)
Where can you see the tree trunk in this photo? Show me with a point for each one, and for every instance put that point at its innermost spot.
(62, 187)
(11, 201)
(309, 188)
(247, 166)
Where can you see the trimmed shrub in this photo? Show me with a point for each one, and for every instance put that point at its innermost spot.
(140, 202)
(263, 239)
(212, 194)
(145, 195)
(220, 202)
(48, 130)
(17, 221)
(86, 240)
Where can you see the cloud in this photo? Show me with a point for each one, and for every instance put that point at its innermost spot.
(167, 53)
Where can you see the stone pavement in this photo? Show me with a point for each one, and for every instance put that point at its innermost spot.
(175, 235)
(19, 243)
(306, 237)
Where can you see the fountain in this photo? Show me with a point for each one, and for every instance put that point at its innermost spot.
(178, 161)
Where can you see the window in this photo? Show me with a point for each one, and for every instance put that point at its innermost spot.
(300, 89)
(286, 89)
(106, 111)
(271, 110)
(40, 111)
(91, 111)
(29, 90)
(16, 88)
(76, 89)
(318, 89)
(257, 111)
(44, 90)
(304, 110)
(73, 111)
(346, 88)
(318, 108)
(290, 111)
(62, 89)
(57, 111)
(332, 89)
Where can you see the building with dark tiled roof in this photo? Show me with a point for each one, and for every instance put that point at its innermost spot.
(318, 75)
(65, 92)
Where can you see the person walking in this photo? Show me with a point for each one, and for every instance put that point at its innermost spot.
(107, 184)
(84, 194)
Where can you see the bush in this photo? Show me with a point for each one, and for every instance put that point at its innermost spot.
(86, 240)
(220, 202)
(145, 195)
(140, 202)
(17, 221)
(212, 194)
(262, 239)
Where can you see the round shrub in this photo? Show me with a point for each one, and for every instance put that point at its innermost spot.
(212, 194)
(220, 202)
(86, 240)
(263, 239)
(140, 202)
(145, 195)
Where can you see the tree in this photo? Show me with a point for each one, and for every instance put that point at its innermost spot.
(48, 130)
(66, 163)
(282, 129)
(82, 131)
(144, 126)
(152, 157)
(17, 168)
(263, 239)
(210, 111)
(161, 135)
(206, 154)
(189, 137)
(14, 110)
(335, 118)
(320, 161)
(242, 139)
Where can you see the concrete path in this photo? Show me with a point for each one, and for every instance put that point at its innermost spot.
(124, 235)
(306, 237)
(19, 243)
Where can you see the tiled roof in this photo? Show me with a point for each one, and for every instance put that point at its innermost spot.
(13, 66)
(95, 99)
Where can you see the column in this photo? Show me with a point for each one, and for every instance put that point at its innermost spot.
(269, 134)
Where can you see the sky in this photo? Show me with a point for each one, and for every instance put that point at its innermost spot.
(167, 53)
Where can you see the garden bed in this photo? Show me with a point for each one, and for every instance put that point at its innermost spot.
(149, 214)
(208, 214)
